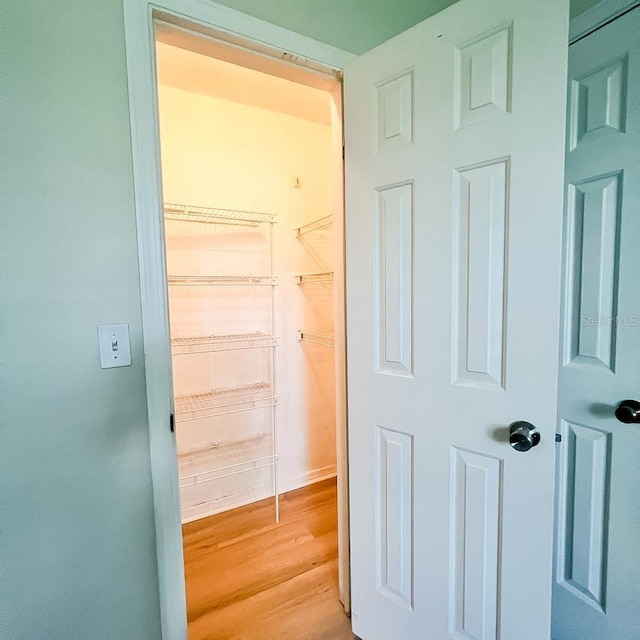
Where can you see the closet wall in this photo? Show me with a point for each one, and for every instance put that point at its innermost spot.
(224, 153)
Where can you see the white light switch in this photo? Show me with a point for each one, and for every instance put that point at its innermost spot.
(115, 350)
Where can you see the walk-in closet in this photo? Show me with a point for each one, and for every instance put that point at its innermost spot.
(252, 253)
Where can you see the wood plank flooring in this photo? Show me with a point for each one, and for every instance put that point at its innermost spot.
(250, 579)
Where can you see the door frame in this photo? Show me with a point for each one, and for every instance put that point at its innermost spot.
(596, 17)
(256, 35)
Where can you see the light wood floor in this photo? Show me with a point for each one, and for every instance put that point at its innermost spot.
(250, 579)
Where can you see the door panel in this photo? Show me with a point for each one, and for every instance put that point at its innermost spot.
(480, 219)
(597, 568)
(394, 505)
(454, 166)
(475, 531)
(394, 260)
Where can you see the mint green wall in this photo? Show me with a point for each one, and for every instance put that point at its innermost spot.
(77, 548)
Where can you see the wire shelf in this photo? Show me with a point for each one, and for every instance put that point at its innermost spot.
(316, 225)
(229, 470)
(219, 402)
(213, 343)
(220, 459)
(244, 239)
(227, 449)
(216, 281)
(208, 215)
(310, 278)
(324, 338)
(243, 495)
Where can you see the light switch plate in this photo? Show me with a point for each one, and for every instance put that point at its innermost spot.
(115, 350)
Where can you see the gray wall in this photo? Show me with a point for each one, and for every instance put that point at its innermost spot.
(76, 523)
(77, 554)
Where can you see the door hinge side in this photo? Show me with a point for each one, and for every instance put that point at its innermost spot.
(172, 422)
(558, 437)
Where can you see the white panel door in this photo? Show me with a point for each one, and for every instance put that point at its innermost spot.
(597, 586)
(454, 194)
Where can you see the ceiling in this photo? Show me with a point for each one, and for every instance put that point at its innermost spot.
(197, 73)
(352, 25)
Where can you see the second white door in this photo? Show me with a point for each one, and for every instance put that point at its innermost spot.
(597, 586)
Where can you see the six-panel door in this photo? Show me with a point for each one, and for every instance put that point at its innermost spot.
(597, 566)
(454, 192)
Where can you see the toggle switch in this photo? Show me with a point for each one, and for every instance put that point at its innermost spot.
(115, 350)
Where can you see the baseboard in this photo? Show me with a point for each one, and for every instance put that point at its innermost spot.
(233, 501)
(198, 512)
(305, 479)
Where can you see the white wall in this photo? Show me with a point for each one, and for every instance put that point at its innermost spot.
(225, 154)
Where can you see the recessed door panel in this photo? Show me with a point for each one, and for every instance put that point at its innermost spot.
(594, 208)
(599, 102)
(583, 512)
(394, 497)
(483, 77)
(481, 219)
(395, 112)
(394, 275)
(475, 545)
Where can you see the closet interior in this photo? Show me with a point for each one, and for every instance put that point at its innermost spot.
(248, 170)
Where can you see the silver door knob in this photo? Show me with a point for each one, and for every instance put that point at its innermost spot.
(628, 411)
(523, 435)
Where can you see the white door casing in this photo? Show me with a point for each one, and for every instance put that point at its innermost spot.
(241, 30)
(597, 567)
(454, 193)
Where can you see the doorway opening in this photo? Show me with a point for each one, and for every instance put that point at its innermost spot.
(251, 156)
